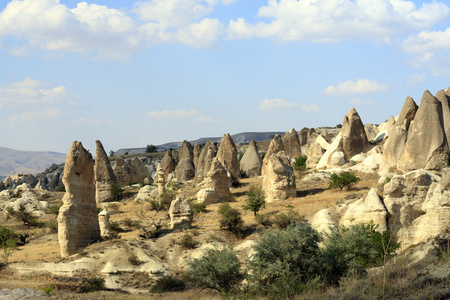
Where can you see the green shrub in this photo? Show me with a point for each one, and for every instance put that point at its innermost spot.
(300, 163)
(284, 219)
(285, 261)
(133, 259)
(168, 284)
(94, 284)
(230, 219)
(151, 149)
(255, 200)
(114, 226)
(8, 237)
(61, 188)
(345, 179)
(54, 209)
(131, 224)
(117, 191)
(198, 207)
(53, 226)
(23, 215)
(218, 270)
(15, 195)
(264, 219)
(164, 201)
(187, 241)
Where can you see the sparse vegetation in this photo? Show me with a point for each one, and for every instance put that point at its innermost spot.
(24, 216)
(133, 260)
(187, 241)
(8, 242)
(345, 179)
(255, 200)
(300, 163)
(116, 191)
(94, 284)
(168, 284)
(198, 207)
(230, 219)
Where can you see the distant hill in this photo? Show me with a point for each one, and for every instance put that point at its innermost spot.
(244, 137)
(17, 161)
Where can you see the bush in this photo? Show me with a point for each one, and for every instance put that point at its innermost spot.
(94, 284)
(164, 201)
(168, 284)
(54, 209)
(198, 207)
(187, 241)
(16, 195)
(218, 270)
(8, 237)
(61, 188)
(345, 179)
(300, 163)
(23, 215)
(53, 226)
(255, 200)
(284, 219)
(130, 223)
(264, 219)
(133, 260)
(116, 191)
(285, 261)
(230, 219)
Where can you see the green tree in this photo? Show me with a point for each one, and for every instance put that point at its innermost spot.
(151, 149)
(218, 269)
(116, 191)
(255, 200)
(345, 179)
(285, 261)
(231, 218)
(300, 163)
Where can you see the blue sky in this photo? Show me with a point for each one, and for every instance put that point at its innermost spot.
(132, 73)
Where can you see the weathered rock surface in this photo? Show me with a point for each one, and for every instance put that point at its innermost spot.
(291, 144)
(103, 175)
(103, 220)
(228, 155)
(371, 131)
(354, 139)
(181, 214)
(205, 159)
(426, 145)
(325, 160)
(315, 153)
(216, 186)
(275, 146)
(279, 179)
(197, 152)
(407, 113)
(185, 169)
(122, 170)
(138, 171)
(251, 162)
(145, 193)
(77, 219)
(168, 163)
(159, 179)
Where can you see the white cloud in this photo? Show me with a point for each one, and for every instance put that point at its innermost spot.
(31, 91)
(107, 33)
(356, 87)
(336, 20)
(277, 103)
(46, 113)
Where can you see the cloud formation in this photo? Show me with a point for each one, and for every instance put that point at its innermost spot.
(336, 20)
(360, 86)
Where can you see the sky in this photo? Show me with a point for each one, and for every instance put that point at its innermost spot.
(134, 73)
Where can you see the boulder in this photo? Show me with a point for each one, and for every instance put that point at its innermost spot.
(251, 161)
(103, 220)
(103, 175)
(371, 131)
(291, 144)
(121, 170)
(145, 193)
(216, 186)
(77, 219)
(181, 214)
(206, 157)
(354, 139)
(185, 169)
(426, 146)
(279, 179)
(228, 155)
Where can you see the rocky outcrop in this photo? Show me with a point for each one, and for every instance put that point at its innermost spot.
(138, 171)
(77, 219)
(185, 169)
(354, 139)
(51, 178)
(275, 146)
(216, 186)
(159, 179)
(205, 159)
(426, 145)
(315, 153)
(197, 152)
(407, 113)
(329, 158)
(228, 155)
(181, 214)
(279, 179)
(103, 220)
(371, 131)
(444, 99)
(103, 175)
(122, 170)
(251, 161)
(168, 163)
(146, 193)
(291, 144)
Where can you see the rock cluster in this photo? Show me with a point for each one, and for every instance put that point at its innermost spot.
(185, 169)
(77, 219)
(216, 189)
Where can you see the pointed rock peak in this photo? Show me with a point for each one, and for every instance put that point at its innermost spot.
(408, 112)
(441, 96)
(120, 161)
(391, 121)
(252, 144)
(447, 91)
(292, 131)
(428, 98)
(352, 112)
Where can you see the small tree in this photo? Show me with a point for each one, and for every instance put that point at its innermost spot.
(345, 179)
(151, 149)
(8, 242)
(218, 270)
(255, 200)
(230, 219)
(300, 163)
(116, 191)
(111, 152)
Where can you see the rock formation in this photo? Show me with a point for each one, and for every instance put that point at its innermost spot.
(104, 175)
(251, 161)
(291, 144)
(371, 131)
(103, 220)
(205, 159)
(426, 145)
(122, 170)
(228, 155)
(216, 189)
(181, 214)
(275, 146)
(197, 152)
(279, 179)
(145, 193)
(168, 163)
(185, 169)
(138, 171)
(159, 179)
(444, 99)
(77, 219)
(354, 139)
(315, 153)
(407, 113)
